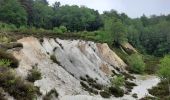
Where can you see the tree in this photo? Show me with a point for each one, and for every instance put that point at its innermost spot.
(11, 11)
(77, 18)
(117, 30)
(28, 6)
(164, 71)
(43, 15)
(56, 5)
(136, 63)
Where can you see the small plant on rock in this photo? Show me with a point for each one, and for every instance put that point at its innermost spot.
(34, 75)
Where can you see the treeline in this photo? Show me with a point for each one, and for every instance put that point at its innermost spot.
(150, 35)
(38, 13)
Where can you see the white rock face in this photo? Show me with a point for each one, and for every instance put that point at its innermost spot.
(76, 58)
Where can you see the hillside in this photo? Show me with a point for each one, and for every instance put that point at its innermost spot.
(76, 69)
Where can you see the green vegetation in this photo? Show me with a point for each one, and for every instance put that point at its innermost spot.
(50, 95)
(136, 63)
(34, 75)
(119, 81)
(105, 94)
(164, 71)
(9, 57)
(15, 86)
(160, 91)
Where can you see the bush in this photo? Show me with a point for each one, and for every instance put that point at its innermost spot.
(48, 96)
(54, 59)
(4, 39)
(105, 94)
(14, 62)
(15, 86)
(119, 81)
(7, 27)
(2, 95)
(57, 30)
(11, 45)
(34, 75)
(116, 91)
(63, 29)
(136, 63)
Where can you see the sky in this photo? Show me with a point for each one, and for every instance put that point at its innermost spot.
(133, 8)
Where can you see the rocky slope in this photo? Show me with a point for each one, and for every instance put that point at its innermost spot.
(63, 64)
(75, 59)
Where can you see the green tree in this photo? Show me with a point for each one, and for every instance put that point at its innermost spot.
(43, 15)
(164, 71)
(11, 11)
(117, 30)
(136, 63)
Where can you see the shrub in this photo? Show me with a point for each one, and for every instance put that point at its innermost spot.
(7, 27)
(4, 39)
(116, 91)
(2, 95)
(57, 30)
(63, 29)
(105, 94)
(84, 85)
(12, 45)
(14, 62)
(54, 59)
(136, 63)
(34, 75)
(15, 86)
(48, 96)
(119, 81)
(160, 91)
(135, 95)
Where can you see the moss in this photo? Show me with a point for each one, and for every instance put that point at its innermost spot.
(116, 91)
(105, 94)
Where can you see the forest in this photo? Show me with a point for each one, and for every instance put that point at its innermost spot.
(150, 35)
